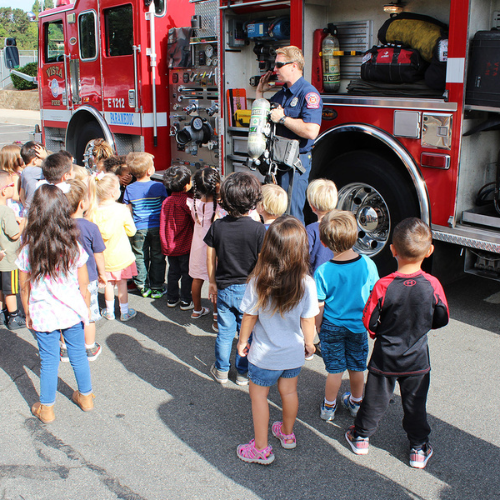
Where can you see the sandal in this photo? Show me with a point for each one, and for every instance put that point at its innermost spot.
(250, 454)
(278, 433)
(215, 326)
(198, 314)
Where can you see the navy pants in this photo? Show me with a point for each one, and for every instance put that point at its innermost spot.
(300, 183)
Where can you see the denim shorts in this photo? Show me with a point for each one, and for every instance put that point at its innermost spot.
(267, 378)
(342, 349)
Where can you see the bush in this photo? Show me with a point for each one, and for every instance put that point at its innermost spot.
(22, 84)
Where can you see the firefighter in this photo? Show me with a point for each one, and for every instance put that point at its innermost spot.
(298, 116)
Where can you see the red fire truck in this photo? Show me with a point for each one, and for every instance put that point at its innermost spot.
(424, 155)
(172, 78)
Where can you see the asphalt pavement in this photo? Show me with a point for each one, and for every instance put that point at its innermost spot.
(17, 125)
(163, 429)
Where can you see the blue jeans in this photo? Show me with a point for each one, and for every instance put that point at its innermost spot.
(300, 182)
(229, 318)
(149, 258)
(48, 346)
(178, 269)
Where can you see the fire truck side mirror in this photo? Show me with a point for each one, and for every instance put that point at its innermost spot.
(11, 53)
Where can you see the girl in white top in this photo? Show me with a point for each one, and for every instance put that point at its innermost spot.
(53, 280)
(280, 305)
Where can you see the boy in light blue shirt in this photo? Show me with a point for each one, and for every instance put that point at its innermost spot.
(344, 284)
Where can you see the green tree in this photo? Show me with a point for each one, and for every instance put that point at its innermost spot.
(14, 23)
(36, 7)
(48, 4)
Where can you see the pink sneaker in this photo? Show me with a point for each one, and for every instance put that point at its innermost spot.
(250, 454)
(278, 433)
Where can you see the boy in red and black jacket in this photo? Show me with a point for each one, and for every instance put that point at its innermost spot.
(400, 311)
(176, 235)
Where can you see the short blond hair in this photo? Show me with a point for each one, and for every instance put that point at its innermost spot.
(81, 173)
(274, 200)
(138, 163)
(322, 195)
(292, 54)
(338, 230)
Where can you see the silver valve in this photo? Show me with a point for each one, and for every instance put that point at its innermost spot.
(191, 108)
(214, 108)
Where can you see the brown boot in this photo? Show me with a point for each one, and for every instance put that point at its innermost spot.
(44, 413)
(86, 403)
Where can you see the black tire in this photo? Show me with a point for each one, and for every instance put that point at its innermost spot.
(90, 131)
(377, 173)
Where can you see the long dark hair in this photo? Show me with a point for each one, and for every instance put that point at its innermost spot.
(282, 265)
(205, 182)
(51, 235)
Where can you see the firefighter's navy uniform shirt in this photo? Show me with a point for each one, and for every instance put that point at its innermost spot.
(301, 100)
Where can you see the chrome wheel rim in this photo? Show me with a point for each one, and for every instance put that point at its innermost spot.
(372, 216)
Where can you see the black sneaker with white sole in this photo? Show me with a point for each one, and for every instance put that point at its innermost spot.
(186, 306)
(16, 322)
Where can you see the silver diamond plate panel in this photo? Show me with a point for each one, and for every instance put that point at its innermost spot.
(466, 242)
(54, 138)
(209, 18)
(126, 144)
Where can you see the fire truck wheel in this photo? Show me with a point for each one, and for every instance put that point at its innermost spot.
(90, 131)
(379, 196)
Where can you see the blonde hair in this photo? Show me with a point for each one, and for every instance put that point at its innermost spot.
(292, 54)
(10, 158)
(322, 195)
(101, 150)
(102, 187)
(274, 200)
(338, 230)
(81, 173)
(138, 163)
(78, 190)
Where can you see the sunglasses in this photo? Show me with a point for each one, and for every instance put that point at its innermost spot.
(280, 64)
(12, 184)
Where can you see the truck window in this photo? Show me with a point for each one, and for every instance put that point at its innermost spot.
(54, 41)
(119, 30)
(87, 38)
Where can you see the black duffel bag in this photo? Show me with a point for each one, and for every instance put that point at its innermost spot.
(392, 64)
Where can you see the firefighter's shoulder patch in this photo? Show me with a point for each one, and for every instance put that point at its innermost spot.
(312, 99)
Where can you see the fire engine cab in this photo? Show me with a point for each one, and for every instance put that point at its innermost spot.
(394, 150)
(103, 72)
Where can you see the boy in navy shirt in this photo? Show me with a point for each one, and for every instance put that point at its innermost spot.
(145, 198)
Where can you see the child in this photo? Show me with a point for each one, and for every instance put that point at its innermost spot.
(11, 162)
(176, 233)
(100, 152)
(279, 305)
(234, 244)
(274, 203)
(91, 240)
(118, 165)
(204, 210)
(322, 197)
(401, 309)
(10, 231)
(144, 198)
(57, 168)
(81, 173)
(343, 284)
(115, 223)
(33, 154)
(53, 278)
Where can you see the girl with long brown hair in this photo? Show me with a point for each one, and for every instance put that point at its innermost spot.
(280, 306)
